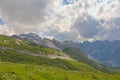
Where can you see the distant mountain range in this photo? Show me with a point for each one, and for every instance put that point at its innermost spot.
(106, 52)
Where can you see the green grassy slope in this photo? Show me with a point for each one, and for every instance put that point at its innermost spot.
(12, 71)
(80, 56)
(17, 64)
(16, 44)
(12, 52)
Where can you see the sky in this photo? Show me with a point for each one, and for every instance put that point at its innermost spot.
(77, 20)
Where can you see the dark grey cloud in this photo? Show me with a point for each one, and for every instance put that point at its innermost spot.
(116, 22)
(88, 27)
(114, 32)
(72, 35)
(24, 11)
(23, 16)
(110, 30)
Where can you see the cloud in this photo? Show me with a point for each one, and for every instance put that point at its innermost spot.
(116, 22)
(24, 11)
(87, 26)
(113, 31)
(77, 20)
(24, 15)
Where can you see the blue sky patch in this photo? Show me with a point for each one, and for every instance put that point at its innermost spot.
(2, 22)
(66, 2)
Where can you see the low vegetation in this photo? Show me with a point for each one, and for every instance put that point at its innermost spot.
(16, 65)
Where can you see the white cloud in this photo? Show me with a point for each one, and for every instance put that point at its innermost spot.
(76, 20)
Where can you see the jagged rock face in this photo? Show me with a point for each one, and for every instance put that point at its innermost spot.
(65, 44)
(30, 37)
(55, 44)
(37, 39)
(49, 43)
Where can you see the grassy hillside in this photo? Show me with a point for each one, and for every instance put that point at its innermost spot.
(79, 55)
(22, 60)
(12, 71)
(7, 42)
(11, 51)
